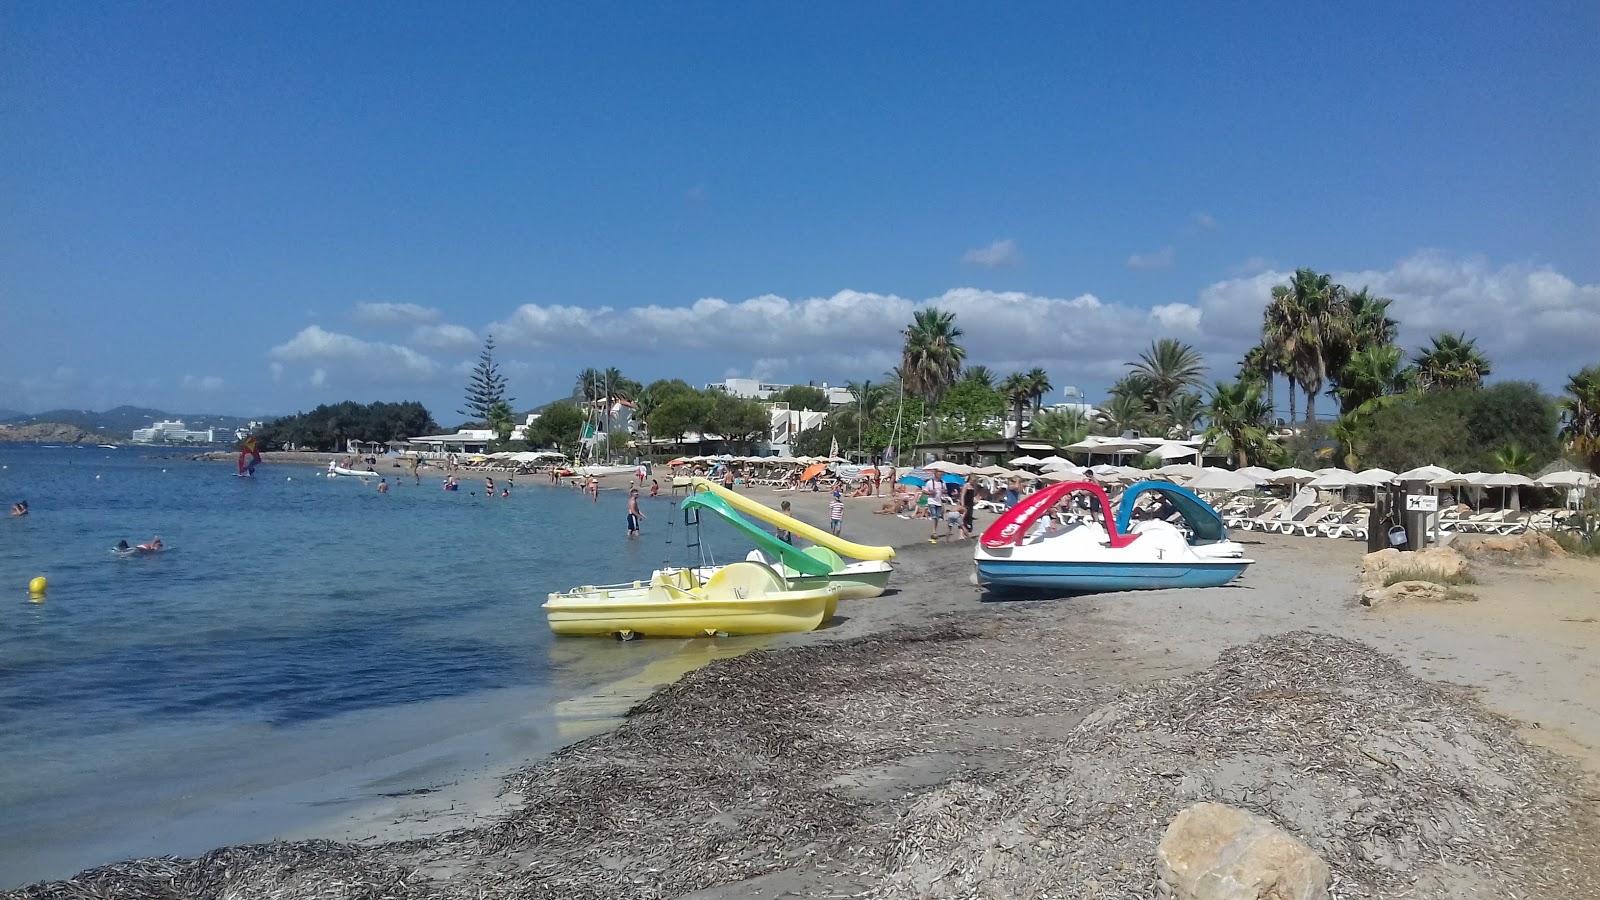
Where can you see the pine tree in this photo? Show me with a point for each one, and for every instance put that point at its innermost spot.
(487, 386)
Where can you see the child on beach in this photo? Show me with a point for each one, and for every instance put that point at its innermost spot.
(835, 513)
(784, 535)
(655, 487)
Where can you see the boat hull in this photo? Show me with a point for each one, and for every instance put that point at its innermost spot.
(1097, 577)
(742, 598)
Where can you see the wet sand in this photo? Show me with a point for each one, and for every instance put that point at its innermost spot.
(920, 732)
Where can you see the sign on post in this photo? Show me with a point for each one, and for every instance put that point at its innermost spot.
(1422, 503)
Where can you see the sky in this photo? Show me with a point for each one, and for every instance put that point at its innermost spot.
(256, 208)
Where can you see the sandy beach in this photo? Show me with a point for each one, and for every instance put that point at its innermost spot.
(930, 743)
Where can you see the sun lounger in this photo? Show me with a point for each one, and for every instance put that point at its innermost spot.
(1287, 524)
(1258, 515)
(1353, 523)
(1309, 524)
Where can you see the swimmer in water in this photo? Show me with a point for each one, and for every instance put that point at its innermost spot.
(20, 508)
(154, 545)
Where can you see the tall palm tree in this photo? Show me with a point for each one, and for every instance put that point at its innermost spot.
(1168, 367)
(591, 385)
(1038, 386)
(1580, 415)
(1122, 413)
(1308, 318)
(1453, 361)
(1373, 373)
(932, 356)
(979, 375)
(1260, 363)
(1017, 389)
(1238, 421)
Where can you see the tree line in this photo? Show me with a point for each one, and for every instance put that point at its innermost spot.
(331, 426)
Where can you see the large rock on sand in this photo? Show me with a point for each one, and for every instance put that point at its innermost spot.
(1507, 549)
(1402, 591)
(1444, 562)
(1212, 851)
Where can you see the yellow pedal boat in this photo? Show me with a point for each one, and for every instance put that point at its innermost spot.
(740, 598)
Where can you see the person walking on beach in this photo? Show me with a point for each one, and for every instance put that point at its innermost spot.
(969, 508)
(836, 513)
(785, 534)
(416, 468)
(935, 491)
(727, 478)
(634, 515)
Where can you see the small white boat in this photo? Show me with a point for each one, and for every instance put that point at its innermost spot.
(354, 473)
(603, 471)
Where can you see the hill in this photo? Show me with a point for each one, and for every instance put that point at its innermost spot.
(120, 421)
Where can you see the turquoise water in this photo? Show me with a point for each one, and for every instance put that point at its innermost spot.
(299, 626)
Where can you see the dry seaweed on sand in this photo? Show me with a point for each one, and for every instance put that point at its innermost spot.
(1407, 788)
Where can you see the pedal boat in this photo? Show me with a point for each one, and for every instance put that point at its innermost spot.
(740, 598)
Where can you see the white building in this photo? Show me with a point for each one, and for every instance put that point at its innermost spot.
(173, 432)
(752, 389)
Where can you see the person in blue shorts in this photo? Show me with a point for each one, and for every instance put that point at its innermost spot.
(634, 515)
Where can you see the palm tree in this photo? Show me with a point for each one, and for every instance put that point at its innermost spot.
(1059, 427)
(1454, 361)
(1238, 421)
(1513, 457)
(1038, 386)
(1123, 413)
(1260, 363)
(1309, 319)
(1184, 413)
(1373, 373)
(591, 385)
(979, 374)
(500, 419)
(1017, 390)
(1580, 415)
(1168, 367)
(932, 358)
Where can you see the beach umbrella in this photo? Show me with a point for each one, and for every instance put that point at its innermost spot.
(1062, 466)
(1256, 473)
(813, 471)
(1214, 479)
(1025, 461)
(1337, 479)
(1291, 475)
(1424, 473)
(1506, 481)
(1377, 476)
(1174, 450)
(1567, 479)
(1054, 460)
(1179, 470)
(1105, 470)
(991, 470)
(1057, 476)
(1451, 479)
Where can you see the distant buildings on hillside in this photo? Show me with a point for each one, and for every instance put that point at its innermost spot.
(752, 389)
(176, 432)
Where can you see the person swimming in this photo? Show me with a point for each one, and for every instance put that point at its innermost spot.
(20, 508)
(154, 545)
(122, 547)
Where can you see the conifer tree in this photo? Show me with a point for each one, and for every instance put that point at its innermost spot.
(487, 386)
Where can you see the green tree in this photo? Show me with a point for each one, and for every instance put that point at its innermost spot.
(1239, 419)
(802, 396)
(1307, 319)
(981, 374)
(1184, 413)
(500, 419)
(1016, 390)
(932, 356)
(1168, 368)
(485, 386)
(1122, 413)
(682, 413)
(1453, 361)
(591, 385)
(1513, 457)
(1059, 427)
(738, 420)
(1580, 415)
(559, 426)
(968, 406)
(1038, 386)
(1373, 373)
(1260, 364)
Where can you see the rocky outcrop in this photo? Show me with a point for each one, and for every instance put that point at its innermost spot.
(1213, 851)
(47, 433)
(1432, 569)
(1507, 549)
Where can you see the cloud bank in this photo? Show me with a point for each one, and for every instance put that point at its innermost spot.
(996, 255)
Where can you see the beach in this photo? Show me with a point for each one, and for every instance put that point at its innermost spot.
(931, 744)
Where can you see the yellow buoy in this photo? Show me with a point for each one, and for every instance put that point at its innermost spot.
(37, 585)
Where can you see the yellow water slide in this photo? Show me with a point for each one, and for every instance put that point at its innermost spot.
(772, 517)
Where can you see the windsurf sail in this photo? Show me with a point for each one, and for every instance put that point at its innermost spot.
(249, 448)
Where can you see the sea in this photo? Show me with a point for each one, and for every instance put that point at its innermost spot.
(305, 650)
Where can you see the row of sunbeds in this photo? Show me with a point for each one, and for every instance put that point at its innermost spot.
(1349, 520)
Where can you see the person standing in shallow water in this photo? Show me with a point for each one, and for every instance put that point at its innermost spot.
(635, 516)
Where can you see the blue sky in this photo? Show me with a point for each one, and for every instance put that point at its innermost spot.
(255, 208)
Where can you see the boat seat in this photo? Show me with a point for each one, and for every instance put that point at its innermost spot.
(743, 581)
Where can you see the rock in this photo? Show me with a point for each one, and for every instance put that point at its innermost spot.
(1400, 591)
(1507, 549)
(47, 433)
(1446, 562)
(1212, 851)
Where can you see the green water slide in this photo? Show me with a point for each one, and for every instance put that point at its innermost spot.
(793, 557)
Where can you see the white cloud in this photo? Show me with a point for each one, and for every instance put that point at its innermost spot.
(1532, 322)
(369, 360)
(203, 383)
(1160, 259)
(1204, 221)
(1000, 253)
(319, 377)
(393, 314)
(444, 337)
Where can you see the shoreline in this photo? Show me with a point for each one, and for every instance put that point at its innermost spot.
(927, 696)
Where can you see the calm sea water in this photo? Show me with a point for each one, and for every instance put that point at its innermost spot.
(299, 626)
